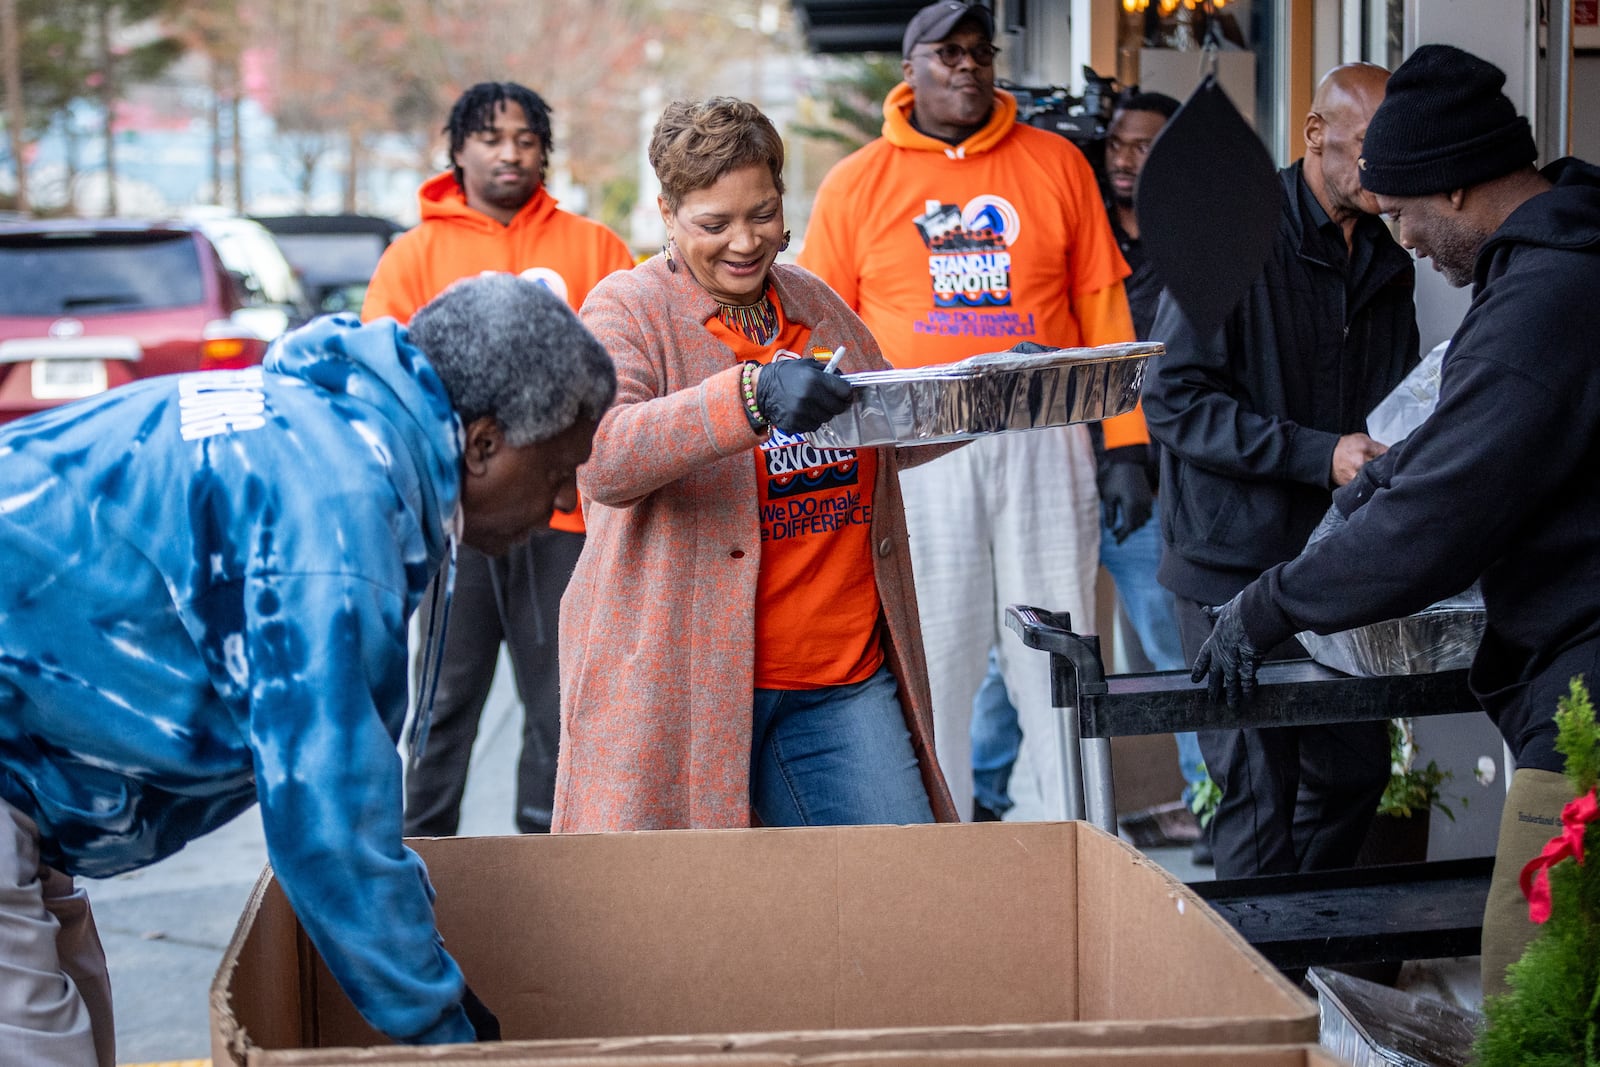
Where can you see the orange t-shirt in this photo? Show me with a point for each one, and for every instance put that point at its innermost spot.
(817, 606)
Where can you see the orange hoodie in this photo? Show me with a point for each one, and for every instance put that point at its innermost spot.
(948, 251)
(566, 252)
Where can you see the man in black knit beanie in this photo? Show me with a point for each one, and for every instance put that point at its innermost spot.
(1445, 124)
(1502, 482)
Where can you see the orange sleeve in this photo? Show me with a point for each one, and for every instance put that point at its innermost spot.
(1103, 315)
(1126, 429)
(1104, 319)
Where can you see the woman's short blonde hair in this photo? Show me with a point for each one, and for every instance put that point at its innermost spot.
(696, 142)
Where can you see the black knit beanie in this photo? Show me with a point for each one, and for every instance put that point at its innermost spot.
(1444, 124)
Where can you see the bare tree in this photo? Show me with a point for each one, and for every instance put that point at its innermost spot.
(49, 51)
(117, 65)
(219, 30)
(16, 111)
(854, 100)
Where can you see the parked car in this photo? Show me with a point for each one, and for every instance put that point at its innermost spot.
(334, 255)
(274, 299)
(89, 304)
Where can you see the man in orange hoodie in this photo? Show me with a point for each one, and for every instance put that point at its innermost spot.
(960, 231)
(491, 212)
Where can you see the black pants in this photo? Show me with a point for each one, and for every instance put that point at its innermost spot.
(1294, 798)
(515, 599)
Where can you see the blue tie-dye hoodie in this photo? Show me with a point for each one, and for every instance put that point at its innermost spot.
(203, 604)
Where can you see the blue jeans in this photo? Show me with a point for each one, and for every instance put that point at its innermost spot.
(838, 756)
(996, 737)
(1150, 606)
(1152, 611)
(1154, 615)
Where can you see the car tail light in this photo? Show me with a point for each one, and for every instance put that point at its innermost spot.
(227, 347)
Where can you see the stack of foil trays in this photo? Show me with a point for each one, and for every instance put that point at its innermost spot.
(1441, 637)
(994, 393)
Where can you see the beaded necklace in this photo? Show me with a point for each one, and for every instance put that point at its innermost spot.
(758, 321)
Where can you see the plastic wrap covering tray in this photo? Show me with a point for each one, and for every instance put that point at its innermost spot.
(987, 394)
(1443, 637)
(1371, 1025)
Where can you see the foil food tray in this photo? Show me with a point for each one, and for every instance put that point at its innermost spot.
(1441, 638)
(994, 393)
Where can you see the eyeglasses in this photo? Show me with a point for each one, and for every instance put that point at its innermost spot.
(950, 54)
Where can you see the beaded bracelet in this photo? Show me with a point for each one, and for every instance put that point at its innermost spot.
(747, 384)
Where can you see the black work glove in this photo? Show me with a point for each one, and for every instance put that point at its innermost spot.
(796, 396)
(1028, 348)
(1228, 660)
(483, 1021)
(1126, 500)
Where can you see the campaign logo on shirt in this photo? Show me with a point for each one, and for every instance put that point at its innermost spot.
(550, 279)
(794, 466)
(810, 491)
(969, 260)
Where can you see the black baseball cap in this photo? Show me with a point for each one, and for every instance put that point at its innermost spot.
(936, 21)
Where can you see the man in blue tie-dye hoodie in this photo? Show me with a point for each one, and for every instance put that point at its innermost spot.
(203, 605)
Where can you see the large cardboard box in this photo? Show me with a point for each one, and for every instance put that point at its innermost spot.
(790, 942)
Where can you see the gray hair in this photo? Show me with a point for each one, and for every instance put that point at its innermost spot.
(512, 349)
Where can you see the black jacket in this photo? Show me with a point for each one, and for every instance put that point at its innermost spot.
(1502, 480)
(1144, 291)
(1248, 418)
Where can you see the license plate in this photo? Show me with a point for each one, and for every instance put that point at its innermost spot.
(68, 379)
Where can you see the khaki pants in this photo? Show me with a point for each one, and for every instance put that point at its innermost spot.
(1532, 816)
(55, 994)
(1007, 519)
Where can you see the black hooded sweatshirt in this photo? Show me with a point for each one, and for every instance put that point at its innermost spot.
(1502, 481)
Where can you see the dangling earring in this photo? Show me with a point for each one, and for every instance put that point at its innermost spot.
(666, 250)
(783, 245)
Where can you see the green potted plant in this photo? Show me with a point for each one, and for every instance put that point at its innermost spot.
(1412, 790)
(1399, 833)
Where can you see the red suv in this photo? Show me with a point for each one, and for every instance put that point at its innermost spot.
(87, 305)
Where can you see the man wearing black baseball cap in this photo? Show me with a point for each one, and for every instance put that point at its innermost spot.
(1502, 481)
(960, 231)
(937, 21)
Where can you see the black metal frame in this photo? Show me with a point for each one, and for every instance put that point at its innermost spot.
(1374, 914)
(1288, 693)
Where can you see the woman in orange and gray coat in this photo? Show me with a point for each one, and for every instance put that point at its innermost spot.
(740, 636)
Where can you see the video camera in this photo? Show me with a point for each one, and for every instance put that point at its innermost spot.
(1080, 119)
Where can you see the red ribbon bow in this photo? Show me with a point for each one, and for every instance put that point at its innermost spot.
(1575, 817)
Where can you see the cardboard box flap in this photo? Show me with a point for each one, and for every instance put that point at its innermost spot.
(269, 941)
(1138, 917)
